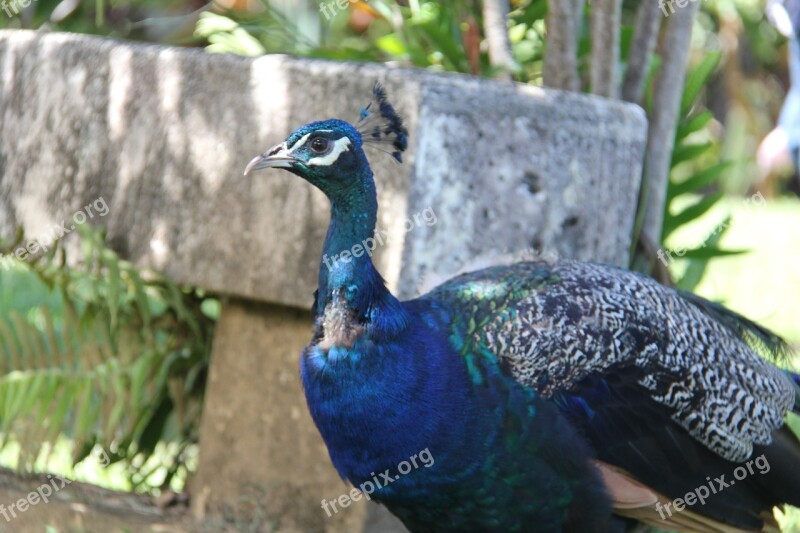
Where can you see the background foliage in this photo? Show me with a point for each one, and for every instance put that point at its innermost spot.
(104, 355)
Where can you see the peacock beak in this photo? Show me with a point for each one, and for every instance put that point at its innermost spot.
(276, 157)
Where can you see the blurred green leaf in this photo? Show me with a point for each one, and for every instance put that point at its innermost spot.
(701, 179)
(391, 44)
(693, 124)
(692, 212)
(710, 252)
(686, 152)
(697, 79)
(227, 36)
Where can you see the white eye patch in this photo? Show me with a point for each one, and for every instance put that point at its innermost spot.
(339, 146)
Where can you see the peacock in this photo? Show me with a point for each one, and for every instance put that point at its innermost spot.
(548, 395)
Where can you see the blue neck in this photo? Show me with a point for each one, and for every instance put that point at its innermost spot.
(346, 266)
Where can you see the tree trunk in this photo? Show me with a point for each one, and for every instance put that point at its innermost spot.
(645, 36)
(605, 25)
(560, 61)
(664, 117)
(495, 16)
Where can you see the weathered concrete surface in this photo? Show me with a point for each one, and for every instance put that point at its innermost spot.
(508, 167)
(162, 134)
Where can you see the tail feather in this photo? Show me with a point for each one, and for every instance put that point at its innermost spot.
(796, 380)
(632, 499)
(760, 339)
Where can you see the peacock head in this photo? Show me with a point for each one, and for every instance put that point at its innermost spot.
(329, 154)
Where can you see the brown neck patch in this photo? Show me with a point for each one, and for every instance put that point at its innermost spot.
(340, 325)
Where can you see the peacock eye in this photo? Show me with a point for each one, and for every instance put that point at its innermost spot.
(319, 145)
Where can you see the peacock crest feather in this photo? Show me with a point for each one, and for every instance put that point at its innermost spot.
(380, 124)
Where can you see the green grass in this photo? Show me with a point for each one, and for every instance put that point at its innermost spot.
(763, 284)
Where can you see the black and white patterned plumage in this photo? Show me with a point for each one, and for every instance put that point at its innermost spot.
(570, 320)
